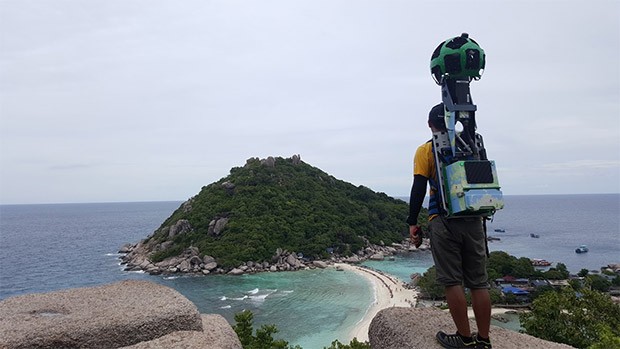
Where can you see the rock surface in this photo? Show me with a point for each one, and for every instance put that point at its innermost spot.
(415, 328)
(110, 316)
(217, 334)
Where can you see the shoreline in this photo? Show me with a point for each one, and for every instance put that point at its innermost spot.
(388, 292)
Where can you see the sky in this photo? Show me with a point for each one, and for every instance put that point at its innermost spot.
(136, 100)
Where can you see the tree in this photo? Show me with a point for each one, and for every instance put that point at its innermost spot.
(501, 264)
(578, 319)
(558, 273)
(495, 295)
(429, 286)
(598, 283)
(583, 272)
(263, 338)
(354, 344)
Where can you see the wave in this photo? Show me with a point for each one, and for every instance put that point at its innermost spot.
(240, 299)
(223, 298)
(137, 271)
(226, 307)
(114, 254)
(170, 277)
(254, 291)
(259, 298)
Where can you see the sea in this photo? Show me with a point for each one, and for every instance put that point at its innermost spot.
(48, 247)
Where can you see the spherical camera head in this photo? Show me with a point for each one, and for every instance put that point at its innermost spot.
(458, 58)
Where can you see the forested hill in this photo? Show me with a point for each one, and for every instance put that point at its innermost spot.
(279, 203)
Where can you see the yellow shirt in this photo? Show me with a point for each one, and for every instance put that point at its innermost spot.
(424, 165)
(424, 161)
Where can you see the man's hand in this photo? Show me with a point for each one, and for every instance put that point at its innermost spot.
(415, 235)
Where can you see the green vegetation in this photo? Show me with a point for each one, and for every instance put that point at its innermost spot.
(354, 344)
(580, 314)
(429, 286)
(292, 206)
(501, 264)
(264, 340)
(588, 319)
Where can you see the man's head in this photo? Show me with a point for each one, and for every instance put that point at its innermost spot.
(436, 118)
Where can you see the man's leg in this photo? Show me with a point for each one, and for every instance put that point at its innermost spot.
(458, 309)
(481, 302)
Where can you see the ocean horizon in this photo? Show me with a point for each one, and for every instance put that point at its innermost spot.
(48, 247)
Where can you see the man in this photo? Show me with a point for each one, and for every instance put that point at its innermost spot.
(458, 246)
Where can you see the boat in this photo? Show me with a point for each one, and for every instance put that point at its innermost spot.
(500, 230)
(581, 249)
(534, 235)
(540, 262)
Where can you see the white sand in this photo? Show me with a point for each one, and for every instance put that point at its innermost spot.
(389, 292)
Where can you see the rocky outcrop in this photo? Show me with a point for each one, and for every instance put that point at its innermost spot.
(415, 328)
(182, 226)
(190, 260)
(126, 313)
(216, 226)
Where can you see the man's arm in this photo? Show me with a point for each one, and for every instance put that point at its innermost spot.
(418, 191)
(416, 198)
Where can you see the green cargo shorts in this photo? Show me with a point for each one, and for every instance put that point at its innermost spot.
(459, 251)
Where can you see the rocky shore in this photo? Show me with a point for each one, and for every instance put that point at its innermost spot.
(136, 258)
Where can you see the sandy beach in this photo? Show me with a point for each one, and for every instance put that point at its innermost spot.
(389, 292)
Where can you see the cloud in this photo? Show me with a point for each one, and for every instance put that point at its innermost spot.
(157, 93)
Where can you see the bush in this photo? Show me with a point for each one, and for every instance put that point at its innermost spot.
(354, 344)
(578, 319)
(263, 339)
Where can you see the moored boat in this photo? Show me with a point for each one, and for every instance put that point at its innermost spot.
(540, 262)
(581, 249)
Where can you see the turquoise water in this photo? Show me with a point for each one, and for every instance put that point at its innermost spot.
(404, 264)
(311, 308)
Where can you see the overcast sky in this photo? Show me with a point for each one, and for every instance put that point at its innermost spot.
(115, 100)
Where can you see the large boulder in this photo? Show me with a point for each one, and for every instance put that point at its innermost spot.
(293, 261)
(377, 256)
(217, 334)
(182, 226)
(415, 328)
(109, 316)
(353, 259)
(216, 226)
(320, 264)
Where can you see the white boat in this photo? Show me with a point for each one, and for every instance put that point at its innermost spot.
(581, 249)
